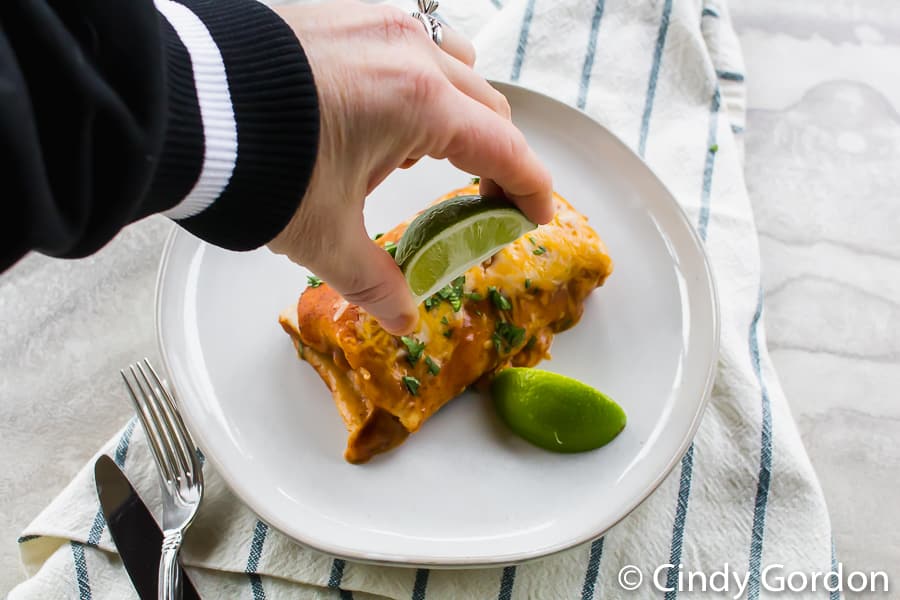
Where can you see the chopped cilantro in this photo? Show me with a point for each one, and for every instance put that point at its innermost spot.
(391, 248)
(527, 283)
(433, 367)
(313, 281)
(412, 384)
(531, 239)
(444, 320)
(478, 313)
(476, 180)
(378, 236)
(431, 302)
(507, 336)
(512, 334)
(714, 148)
(452, 293)
(531, 342)
(414, 348)
(448, 333)
(475, 297)
(539, 250)
(499, 300)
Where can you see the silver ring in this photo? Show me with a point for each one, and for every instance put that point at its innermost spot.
(432, 26)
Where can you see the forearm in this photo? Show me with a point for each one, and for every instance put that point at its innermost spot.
(113, 111)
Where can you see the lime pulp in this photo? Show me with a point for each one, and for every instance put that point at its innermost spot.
(448, 238)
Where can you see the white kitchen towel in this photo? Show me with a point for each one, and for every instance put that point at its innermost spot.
(666, 76)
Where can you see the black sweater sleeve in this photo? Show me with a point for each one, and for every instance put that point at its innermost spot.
(110, 111)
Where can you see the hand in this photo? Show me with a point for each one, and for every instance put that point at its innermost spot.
(388, 95)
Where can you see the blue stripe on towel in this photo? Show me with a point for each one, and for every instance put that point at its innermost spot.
(589, 55)
(96, 531)
(256, 547)
(593, 570)
(730, 75)
(687, 461)
(506, 583)
(736, 129)
(334, 580)
(654, 75)
(119, 457)
(421, 584)
(256, 586)
(124, 442)
(497, 4)
(710, 12)
(684, 495)
(765, 461)
(26, 538)
(337, 573)
(81, 574)
(523, 41)
(711, 151)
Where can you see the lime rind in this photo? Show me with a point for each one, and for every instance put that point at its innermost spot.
(556, 412)
(454, 259)
(449, 238)
(440, 215)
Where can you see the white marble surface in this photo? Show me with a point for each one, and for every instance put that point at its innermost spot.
(823, 172)
(822, 150)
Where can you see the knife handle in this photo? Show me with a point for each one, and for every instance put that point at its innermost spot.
(169, 569)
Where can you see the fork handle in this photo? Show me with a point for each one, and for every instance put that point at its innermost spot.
(169, 587)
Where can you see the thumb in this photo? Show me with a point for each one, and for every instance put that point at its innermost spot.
(366, 275)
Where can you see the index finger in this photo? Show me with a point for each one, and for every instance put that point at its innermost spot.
(485, 144)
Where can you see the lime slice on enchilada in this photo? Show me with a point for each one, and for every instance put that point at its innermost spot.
(448, 238)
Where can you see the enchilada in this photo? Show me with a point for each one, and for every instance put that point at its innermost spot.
(503, 312)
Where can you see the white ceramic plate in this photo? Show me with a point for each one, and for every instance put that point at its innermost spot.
(463, 491)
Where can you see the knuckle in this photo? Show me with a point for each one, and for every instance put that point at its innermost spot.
(545, 180)
(368, 293)
(459, 141)
(421, 86)
(471, 54)
(502, 105)
(396, 24)
(512, 145)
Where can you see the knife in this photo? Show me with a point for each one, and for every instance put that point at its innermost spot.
(137, 536)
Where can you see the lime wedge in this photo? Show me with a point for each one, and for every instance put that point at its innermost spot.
(556, 412)
(448, 238)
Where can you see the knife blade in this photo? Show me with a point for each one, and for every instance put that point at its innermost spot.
(137, 536)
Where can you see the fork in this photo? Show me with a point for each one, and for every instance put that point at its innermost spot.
(180, 473)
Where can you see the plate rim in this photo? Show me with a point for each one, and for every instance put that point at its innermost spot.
(450, 563)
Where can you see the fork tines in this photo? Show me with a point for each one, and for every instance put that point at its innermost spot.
(169, 439)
